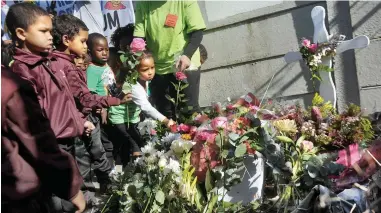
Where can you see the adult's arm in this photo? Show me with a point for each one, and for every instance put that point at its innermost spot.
(195, 39)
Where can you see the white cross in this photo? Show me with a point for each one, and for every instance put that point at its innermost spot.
(327, 88)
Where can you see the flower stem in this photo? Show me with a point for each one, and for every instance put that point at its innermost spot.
(104, 207)
(149, 200)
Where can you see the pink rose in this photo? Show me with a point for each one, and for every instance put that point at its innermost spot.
(203, 135)
(184, 128)
(193, 130)
(153, 132)
(219, 123)
(180, 76)
(313, 48)
(201, 118)
(137, 45)
(306, 42)
(307, 145)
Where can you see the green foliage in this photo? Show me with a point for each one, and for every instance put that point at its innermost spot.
(326, 108)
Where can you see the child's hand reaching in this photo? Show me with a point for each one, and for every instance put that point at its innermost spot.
(125, 98)
(171, 123)
(168, 122)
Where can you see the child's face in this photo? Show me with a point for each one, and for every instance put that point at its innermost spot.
(79, 62)
(77, 45)
(146, 69)
(100, 52)
(37, 37)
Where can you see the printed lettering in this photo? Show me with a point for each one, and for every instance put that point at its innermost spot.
(111, 22)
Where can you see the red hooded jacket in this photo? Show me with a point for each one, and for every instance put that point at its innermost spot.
(78, 86)
(53, 91)
(30, 158)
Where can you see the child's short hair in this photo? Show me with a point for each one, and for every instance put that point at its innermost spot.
(92, 38)
(126, 31)
(22, 15)
(203, 53)
(66, 25)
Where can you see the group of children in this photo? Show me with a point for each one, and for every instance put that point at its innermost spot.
(77, 80)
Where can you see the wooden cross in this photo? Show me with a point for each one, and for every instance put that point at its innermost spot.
(327, 88)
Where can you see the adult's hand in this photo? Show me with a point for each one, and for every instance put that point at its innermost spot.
(183, 63)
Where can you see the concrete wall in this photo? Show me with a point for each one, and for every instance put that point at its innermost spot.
(246, 42)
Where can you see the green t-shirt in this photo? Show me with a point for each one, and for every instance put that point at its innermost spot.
(125, 113)
(97, 78)
(168, 43)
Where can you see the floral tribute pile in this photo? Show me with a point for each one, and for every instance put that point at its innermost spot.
(184, 168)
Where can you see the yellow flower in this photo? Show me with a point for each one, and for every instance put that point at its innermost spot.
(286, 126)
(186, 137)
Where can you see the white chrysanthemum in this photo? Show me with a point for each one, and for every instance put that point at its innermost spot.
(139, 161)
(172, 166)
(149, 149)
(151, 159)
(170, 137)
(159, 154)
(146, 127)
(180, 145)
(162, 162)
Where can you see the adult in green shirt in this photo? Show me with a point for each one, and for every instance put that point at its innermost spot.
(173, 31)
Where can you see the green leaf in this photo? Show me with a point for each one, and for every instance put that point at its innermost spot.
(218, 140)
(240, 150)
(160, 197)
(132, 191)
(169, 98)
(147, 190)
(184, 100)
(285, 139)
(184, 86)
(300, 140)
(175, 85)
(225, 154)
(243, 139)
(212, 202)
(209, 181)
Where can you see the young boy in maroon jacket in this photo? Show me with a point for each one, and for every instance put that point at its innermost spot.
(32, 163)
(30, 28)
(69, 37)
